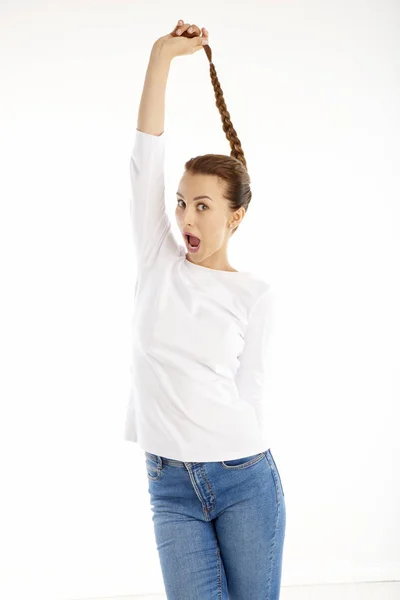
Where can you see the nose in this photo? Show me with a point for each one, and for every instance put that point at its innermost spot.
(189, 227)
(188, 220)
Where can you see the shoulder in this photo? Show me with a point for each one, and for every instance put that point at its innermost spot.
(259, 288)
(261, 301)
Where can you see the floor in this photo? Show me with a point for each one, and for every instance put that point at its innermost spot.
(359, 591)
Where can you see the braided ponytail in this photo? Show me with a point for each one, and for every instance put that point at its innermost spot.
(230, 132)
(231, 169)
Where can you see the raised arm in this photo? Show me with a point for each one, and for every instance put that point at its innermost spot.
(151, 226)
(184, 39)
(151, 115)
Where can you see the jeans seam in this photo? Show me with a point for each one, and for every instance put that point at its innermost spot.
(272, 553)
(276, 484)
(196, 489)
(277, 470)
(219, 574)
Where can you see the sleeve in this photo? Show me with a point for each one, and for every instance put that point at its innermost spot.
(150, 223)
(251, 375)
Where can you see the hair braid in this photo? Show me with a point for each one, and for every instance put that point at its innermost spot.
(232, 169)
(230, 132)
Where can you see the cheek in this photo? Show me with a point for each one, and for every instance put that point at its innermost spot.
(218, 226)
(216, 231)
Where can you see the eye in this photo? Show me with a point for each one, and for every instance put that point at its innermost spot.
(200, 203)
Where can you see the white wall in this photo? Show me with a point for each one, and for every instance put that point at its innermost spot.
(313, 89)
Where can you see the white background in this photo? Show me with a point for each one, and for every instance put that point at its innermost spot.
(313, 90)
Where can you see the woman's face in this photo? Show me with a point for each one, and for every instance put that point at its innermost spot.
(203, 211)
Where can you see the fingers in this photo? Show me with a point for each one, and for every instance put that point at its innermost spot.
(191, 29)
(194, 30)
(181, 27)
(178, 29)
(204, 39)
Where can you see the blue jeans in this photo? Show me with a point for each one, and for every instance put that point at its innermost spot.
(219, 527)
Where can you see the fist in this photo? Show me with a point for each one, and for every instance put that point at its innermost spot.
(184, 39)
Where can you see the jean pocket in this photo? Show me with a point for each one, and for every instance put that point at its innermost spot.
(242, 463)
(153, 466)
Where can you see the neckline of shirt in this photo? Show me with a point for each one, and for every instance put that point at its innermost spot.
(200, 268)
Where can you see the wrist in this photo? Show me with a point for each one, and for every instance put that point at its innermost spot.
(159, 53)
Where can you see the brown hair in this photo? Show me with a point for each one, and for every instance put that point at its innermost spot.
(231, 169)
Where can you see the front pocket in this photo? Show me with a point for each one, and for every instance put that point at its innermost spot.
(152, 468)
(242, 463)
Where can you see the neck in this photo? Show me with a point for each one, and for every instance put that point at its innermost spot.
(218, 260)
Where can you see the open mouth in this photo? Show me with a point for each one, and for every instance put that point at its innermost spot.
(192, 242)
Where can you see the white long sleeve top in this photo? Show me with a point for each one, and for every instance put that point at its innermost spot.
(199, 337)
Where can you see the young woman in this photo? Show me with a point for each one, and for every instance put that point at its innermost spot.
(200, 331)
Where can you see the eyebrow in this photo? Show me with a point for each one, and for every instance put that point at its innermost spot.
(196, 197)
